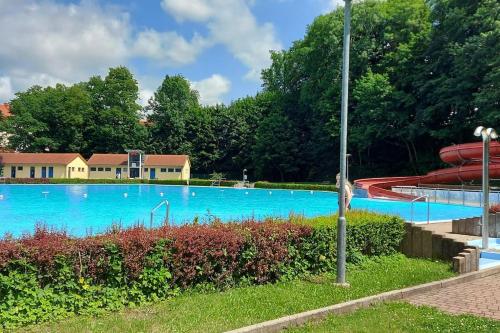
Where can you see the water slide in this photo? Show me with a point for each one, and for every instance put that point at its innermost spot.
(466, 161)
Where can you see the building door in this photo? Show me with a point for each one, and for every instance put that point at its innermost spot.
(69, 172)
(118, 173)
(32, 172)
(152, 173)
(51, 172)
(44, 172)
(12, 172)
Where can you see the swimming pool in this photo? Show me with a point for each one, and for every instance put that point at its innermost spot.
(83, 209)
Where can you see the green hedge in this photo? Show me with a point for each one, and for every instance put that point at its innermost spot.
(193, 182)
(50, 275)
(297, 186)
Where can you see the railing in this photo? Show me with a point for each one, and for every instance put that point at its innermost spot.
(167, 205)
(469, 197)
(217, 182)
(428, 207)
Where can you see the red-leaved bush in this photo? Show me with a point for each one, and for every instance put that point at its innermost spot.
(220, 254)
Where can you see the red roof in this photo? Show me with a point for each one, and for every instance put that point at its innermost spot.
(167, 160)
(108, 159)
(151, 160)
(5, 110)
(38, 158)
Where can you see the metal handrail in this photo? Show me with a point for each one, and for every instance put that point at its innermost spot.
(428, 207)
(167, 205)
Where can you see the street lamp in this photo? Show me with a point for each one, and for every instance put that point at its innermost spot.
(244, 176)
(341, 223)
(487, 134)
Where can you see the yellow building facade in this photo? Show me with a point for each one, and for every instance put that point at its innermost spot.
(43, 165)
(120, 166)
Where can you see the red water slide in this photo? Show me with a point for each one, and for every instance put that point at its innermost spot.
(467, 165)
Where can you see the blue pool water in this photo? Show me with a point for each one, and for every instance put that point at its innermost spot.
(83, 209)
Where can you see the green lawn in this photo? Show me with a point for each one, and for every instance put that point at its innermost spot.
(400, 317)
(216, 312)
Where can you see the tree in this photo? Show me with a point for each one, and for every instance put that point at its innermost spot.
(276, 148)
(113, 123)
(168, 112)
(49, 119)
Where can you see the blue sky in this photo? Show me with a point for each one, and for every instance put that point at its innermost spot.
(220, 46)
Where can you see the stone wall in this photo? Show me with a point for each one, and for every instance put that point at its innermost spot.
(472, 226)
(421, 243)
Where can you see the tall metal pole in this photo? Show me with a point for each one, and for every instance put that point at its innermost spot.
(486, 189)
(341, 223)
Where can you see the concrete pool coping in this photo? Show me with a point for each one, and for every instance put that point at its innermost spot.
(277, 325)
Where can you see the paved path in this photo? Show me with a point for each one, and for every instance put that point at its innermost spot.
(479, 297)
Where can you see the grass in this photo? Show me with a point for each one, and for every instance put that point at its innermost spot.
(400, 317)
(220, 311)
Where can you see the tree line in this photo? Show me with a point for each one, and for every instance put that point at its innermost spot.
(423, 75)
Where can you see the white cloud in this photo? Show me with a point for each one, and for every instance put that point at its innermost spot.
(332, 5)
(65, 42)
(144, 96)
(212, 89)
(48, 42)
(232, 24)
(6, 92)
(168, 47)
(192, 10)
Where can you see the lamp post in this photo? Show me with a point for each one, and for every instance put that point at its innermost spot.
(341, 223)
(244, 176)
(487, 134)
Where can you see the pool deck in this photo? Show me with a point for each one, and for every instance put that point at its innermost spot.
(444, 228)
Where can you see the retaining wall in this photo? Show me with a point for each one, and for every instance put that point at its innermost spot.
(472, 226)
(421, 243)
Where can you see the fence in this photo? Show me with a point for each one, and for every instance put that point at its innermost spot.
(469, 197)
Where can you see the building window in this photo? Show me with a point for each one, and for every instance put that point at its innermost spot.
(146, 169)
(170, 169)
(20, 168)
(72, 168)
(100, 169)
(163, 170)
(178, 169)
(83, 169)
(92, 169)
(107, 169)
(125, 169)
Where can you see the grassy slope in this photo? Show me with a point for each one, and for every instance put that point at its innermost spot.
(216, 312)
(400, 317)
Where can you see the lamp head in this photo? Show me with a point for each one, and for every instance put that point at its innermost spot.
(492, 133)
(479, 131)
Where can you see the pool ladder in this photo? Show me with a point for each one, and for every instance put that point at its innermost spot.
(428, 206)
(167, 212)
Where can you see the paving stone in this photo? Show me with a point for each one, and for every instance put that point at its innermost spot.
(479, 297)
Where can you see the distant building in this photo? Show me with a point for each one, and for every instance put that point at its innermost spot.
(4, 113)
(5, 110)
(43, 165)
(136, 164)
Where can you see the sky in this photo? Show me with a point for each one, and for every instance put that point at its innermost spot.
(220, 46)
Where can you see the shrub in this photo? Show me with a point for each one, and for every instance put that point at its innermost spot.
(193, 182)
(51, 275)
(297, 186)
(495, 209)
